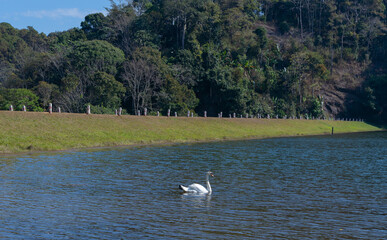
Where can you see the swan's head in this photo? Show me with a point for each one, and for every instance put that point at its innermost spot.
(209, 173)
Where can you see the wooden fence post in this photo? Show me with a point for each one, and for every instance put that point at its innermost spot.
(188, 113)
(24, 108)
(50, 108)
(205, 114)
(175, 114)
(145, 111)
(88, 110)
(120, 111)
(158, 113)
(169, 113)
(59, 111)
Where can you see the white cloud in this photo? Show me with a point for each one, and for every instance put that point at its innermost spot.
(57, 13)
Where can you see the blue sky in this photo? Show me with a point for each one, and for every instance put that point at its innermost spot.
(49, 15)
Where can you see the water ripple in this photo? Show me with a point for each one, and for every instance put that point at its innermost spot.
(330, 187)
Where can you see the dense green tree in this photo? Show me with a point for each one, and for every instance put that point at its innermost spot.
(216, 89)
(96, 26)
(38, 42)
(96, 55)
(375, 100)
(66, 38)
(176, 97)
(11, 45)
(307, 71)
(106, 91)
(19, 98)
(46, 92)
(69, 82)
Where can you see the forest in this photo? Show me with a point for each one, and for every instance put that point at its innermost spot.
(310, 58)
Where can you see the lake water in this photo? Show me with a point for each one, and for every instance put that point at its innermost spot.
(325, 187)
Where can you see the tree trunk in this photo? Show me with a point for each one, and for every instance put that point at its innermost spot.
(177, 33)
(331, 67)
(299, 90)
(342, 43)
(301, 27)
(183, 34)
(319, 20)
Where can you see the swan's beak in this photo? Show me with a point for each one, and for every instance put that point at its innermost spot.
(212, 175)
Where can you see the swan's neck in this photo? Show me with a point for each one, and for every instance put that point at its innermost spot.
(209, 189)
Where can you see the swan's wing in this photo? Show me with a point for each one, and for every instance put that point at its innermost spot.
(197, 188)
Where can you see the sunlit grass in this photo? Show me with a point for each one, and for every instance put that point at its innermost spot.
(28, 131)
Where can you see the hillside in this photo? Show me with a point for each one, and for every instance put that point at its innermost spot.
(286, 58)
(342, 90)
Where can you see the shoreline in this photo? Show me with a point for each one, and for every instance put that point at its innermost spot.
(155, 144)
(29, 133)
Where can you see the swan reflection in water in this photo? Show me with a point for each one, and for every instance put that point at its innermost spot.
(196, 200)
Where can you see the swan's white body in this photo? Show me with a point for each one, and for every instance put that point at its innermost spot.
(197, 188)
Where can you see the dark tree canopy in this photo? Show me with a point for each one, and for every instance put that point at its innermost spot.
(277, 57)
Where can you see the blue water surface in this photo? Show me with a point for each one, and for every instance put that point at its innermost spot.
(323, 187)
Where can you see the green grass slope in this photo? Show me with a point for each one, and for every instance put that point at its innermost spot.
(30, 131)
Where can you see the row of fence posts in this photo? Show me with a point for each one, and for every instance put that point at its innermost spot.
(118, 112)
(24, 109)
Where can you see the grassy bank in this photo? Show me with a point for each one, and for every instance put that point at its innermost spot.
(29, 131)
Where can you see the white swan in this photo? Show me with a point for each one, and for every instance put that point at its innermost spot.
(197, 188)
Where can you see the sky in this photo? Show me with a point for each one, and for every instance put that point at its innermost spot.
(49, 15)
